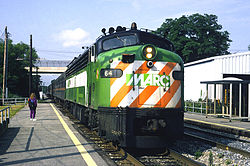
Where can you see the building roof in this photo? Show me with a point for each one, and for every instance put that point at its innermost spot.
(215, 58)
(228, 80)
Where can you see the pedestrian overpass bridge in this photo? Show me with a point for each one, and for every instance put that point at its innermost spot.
(49, 66)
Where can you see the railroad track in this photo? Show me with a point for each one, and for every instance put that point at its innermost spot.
(218, 144)
(169, 157)
(115, 153)
(123, 157)
(183, 159)
(217, 133)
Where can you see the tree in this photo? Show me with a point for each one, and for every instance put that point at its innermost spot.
(249, 47)
(18, 59)
(196, 36)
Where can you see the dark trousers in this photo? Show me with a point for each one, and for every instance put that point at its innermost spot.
(32, 114)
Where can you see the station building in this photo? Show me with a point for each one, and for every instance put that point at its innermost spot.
(222, 80)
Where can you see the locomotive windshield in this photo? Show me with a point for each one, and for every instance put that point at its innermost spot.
(119, 41)
(147, 38)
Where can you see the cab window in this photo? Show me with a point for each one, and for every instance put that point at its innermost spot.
(119, 41)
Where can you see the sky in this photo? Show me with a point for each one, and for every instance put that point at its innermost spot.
(60, 28)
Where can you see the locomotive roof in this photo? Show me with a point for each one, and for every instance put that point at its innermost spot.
(141, 33)
(75, 66)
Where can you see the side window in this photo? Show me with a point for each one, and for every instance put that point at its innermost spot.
(119, 41)
(92, 53)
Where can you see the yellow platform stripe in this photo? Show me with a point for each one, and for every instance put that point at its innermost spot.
(217, 124)
(85, 155)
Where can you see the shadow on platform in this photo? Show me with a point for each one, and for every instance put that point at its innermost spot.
(7, 138)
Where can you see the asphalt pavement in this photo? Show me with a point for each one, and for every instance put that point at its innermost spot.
(46, 141)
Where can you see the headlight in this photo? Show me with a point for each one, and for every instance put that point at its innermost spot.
(149, 52)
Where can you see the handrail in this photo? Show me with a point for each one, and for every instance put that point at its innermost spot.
(6, 115)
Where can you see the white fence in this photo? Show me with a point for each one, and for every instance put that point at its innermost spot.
(10, 101)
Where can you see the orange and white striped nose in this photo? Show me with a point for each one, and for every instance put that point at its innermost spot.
(142, 87)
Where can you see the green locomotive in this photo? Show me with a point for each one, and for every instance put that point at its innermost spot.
(128, 86)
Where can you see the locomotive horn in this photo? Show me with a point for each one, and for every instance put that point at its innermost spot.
(104, 31)
(118, 28)
(133, 26)
(111, 30)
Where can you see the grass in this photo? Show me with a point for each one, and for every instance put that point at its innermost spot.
(228, 161)
(198, 154)
(13, 109)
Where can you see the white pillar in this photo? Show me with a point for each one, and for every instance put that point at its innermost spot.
(231, 100)
(206, 100)
(248, 101)
(214, 98)
(240, 100)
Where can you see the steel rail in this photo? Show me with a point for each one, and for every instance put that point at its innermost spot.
(220, 145)
(217, 134)
(131, 158)
(183, 159)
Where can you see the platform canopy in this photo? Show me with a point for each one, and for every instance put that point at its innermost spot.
(228, 80)
(241, 93)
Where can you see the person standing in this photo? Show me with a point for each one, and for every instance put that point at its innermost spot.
(32, 105)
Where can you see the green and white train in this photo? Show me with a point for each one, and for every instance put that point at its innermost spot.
(128, 86)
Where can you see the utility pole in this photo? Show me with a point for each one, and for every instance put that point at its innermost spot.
(30, 73)
(5, 64)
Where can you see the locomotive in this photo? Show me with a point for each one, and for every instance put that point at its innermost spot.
(128, 86)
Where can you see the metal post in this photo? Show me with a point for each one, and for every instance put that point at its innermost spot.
(30, 73)
(227, 101)
(240, 100)
(201, 107)
(223, 101)
(185, 106)
(5, 114)
(231, 100)
(8, 113)
(214, 98)
(1, 117)
(37, 82)
(207, 100)
(193, 106)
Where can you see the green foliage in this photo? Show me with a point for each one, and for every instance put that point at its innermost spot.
(18, 58)
(210, 159)
(249, 47)
(196, 36)
(228, 161)
(220, 155)
(198, 154)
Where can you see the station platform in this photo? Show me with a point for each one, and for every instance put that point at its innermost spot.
(237, 127)
(50, 140)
